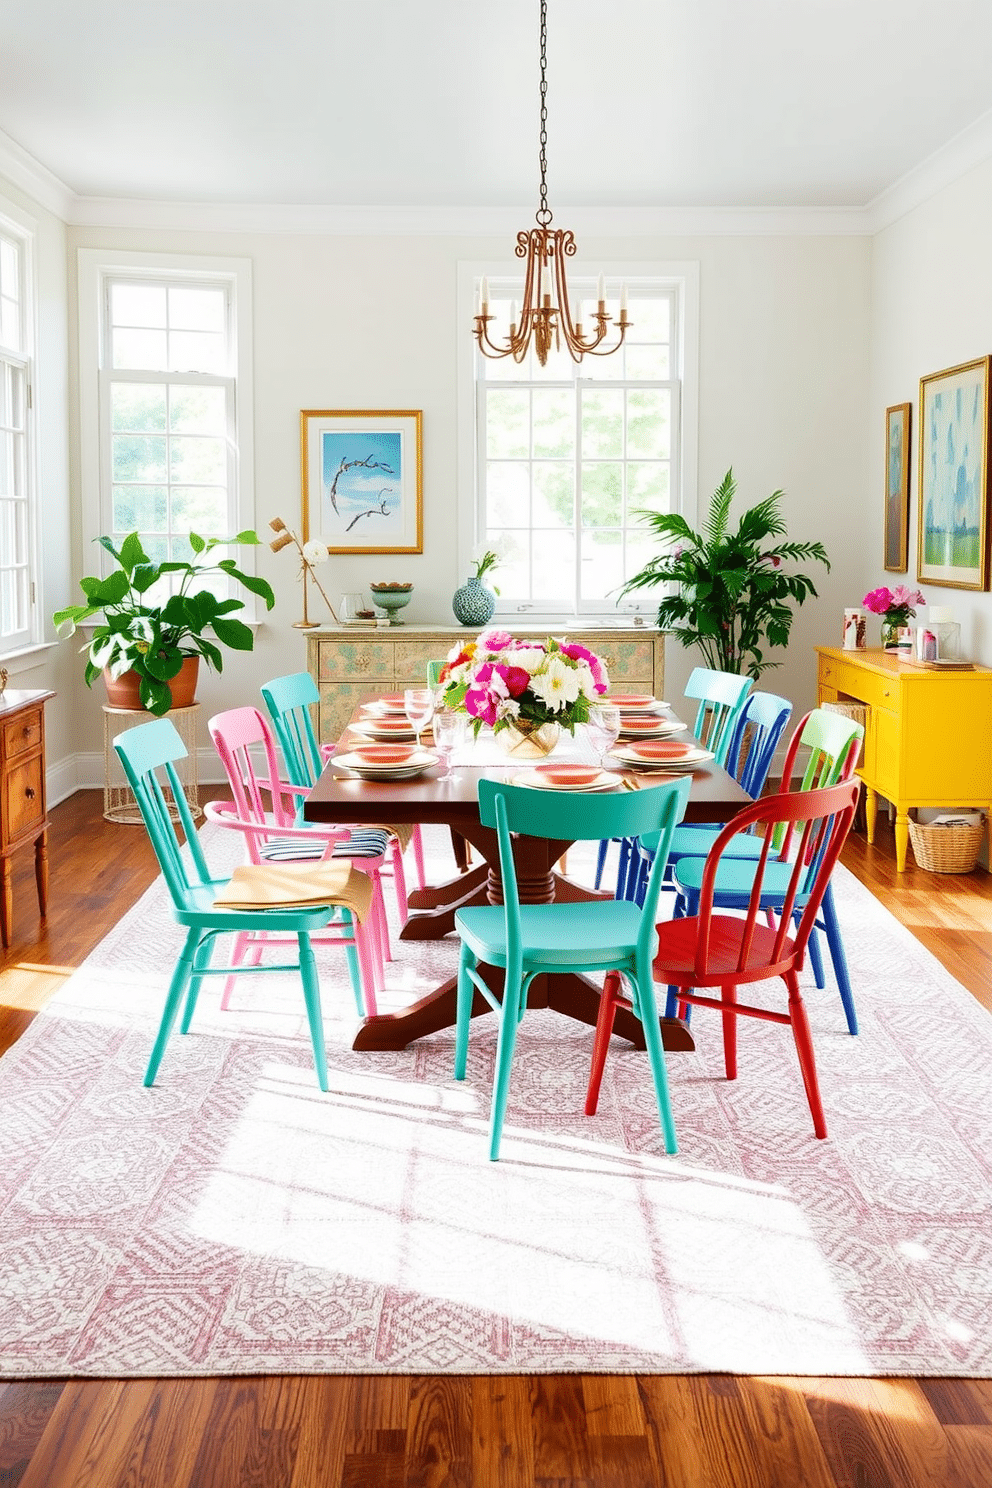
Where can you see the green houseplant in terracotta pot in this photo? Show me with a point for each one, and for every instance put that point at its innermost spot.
(154, 645)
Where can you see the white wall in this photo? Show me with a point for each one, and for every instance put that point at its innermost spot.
(931, 308)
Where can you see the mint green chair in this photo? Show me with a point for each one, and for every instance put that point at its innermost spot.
(156, 746)
(721, 697)
(598, 936)
(434, 670)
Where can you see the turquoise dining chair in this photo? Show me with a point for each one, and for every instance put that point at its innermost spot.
(721, 697)
(598, 936)
(834, 742)
(155, 747)
(289, 700)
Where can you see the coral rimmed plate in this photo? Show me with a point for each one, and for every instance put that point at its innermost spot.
(633, 702)
(538, 779)
(416, 763)
(392, 703)
(385, 728)
(385, 754)
(573, 775)
(663, 749)
(638, 754)
(648, 725)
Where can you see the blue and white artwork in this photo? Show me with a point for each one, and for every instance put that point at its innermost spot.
(361, 485)
(954, 476)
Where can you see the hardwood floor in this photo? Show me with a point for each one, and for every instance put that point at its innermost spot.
(570, 1431)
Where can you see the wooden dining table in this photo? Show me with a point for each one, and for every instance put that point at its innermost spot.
(348, 799)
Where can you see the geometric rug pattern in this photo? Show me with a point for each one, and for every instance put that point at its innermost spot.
(234, 1219)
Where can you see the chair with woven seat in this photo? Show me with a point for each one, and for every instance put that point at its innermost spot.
(273, 832)
(149, 751)
(724, 952)
(833, 742)
(752, 749)
(721, 697)
(526, 940)
(289, 700)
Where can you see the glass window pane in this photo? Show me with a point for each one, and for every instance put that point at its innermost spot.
(198, 410)
(508, 423)
(602, 494)
(144, 350)
(602, 422)
(5, 394)
(8, 530)
(602, 564)
(8, 602)
(553, 412)
(10, 324)
(639, 548)
(137, 305)
(137, 407)
(648, 487)
(508, 493)
(648, 423)
(648, 363)
(650, 320)
(6, 463)
(513, 575)
(138, 458)
(196, 351)
(554, 494)
(141, 509)
(197, 309)
(195, 459)
(8, 270)
(554, 564)
(201, 509)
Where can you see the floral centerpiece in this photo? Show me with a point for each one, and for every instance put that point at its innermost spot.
(525, 690)
(896, 607)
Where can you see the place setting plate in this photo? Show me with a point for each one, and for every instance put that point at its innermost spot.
(389, 706)
(385, 728)
(386, 761)
(576, 778)
(648, 726)
(662, 754)
(636, 702)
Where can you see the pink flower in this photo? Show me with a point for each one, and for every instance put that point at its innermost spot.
(878, 600)
(515, 678)
(904, 599)
(592, 661)
(772, 558)
(495, 640)
(482, 704)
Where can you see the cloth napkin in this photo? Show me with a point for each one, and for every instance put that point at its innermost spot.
(297, 886)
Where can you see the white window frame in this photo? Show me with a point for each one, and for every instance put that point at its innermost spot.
(641, 277)
(20, 230)
(97, 269)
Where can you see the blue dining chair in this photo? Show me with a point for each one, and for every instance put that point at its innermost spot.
(598, 936)
(833, 742)
(289, 700)
(155, 747)
(721, 697)
(756, 737)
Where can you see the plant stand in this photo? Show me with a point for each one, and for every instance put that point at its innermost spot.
(119, 804)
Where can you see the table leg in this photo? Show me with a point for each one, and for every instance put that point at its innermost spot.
(871, 811)
(41, 871)
(434, 908)
(902, 838)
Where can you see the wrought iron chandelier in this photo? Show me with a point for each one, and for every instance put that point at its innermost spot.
(545, 314)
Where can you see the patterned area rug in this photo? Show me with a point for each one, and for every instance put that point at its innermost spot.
(235, 1220)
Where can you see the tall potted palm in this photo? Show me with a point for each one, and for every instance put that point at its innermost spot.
(150, 641)
(733, 591)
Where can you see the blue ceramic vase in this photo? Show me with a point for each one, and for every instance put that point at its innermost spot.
(473, 603)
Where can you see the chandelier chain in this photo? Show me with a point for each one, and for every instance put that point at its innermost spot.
(544, 215)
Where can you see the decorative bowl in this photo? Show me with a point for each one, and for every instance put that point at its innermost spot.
(391, 597)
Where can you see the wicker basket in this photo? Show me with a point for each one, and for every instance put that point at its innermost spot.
(946, 849)
(857, 711)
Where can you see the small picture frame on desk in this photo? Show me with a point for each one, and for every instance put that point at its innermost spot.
(362, 480)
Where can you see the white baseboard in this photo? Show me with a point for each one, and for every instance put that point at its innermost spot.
(85, 772)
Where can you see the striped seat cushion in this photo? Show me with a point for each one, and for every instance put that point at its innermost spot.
(363, 842)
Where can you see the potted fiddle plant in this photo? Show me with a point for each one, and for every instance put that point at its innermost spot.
(149, 643)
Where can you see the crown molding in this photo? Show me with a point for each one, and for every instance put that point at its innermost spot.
(402, 221)
(34, 179)
(970, 148)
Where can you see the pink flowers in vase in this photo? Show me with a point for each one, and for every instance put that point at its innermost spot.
(505, 682)
(896, 607)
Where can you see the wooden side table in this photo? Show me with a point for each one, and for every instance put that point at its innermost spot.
(23, 814)
(119, 804)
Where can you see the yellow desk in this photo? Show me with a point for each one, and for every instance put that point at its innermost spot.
(928, 740)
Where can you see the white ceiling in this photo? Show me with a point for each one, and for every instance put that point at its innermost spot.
(653, 104)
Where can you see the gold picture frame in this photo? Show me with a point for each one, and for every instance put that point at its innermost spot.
(362, 479)
(953, 484)
(895, 549)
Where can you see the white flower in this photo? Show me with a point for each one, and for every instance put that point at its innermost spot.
(557, 684)
(531, 658)
(315, 552)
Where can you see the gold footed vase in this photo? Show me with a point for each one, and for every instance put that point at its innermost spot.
(528, 741)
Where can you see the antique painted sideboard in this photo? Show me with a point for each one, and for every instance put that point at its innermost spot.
(350, 664)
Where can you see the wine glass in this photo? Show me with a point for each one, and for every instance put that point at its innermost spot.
(604, 728)
(449, 731)
(418, 703)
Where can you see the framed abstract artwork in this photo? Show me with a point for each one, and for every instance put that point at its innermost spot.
(362, 480)
(897, 425)
(953, 548)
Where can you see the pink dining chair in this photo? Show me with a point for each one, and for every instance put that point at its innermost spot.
(273, 833)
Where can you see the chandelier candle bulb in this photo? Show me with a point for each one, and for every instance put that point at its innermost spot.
(601, 292)
(484, 295)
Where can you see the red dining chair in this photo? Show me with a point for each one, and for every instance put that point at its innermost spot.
(725, 952)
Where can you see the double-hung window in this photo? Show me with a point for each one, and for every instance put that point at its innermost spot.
(16, 470)
(568, 455)
(165, 429)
